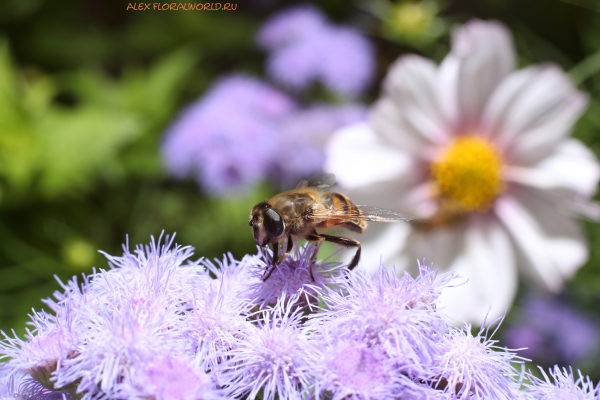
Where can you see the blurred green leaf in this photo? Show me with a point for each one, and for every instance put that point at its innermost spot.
(586, 68)
(78, 145)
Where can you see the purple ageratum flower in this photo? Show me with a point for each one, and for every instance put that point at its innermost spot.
(114, 343)
(139, 331)
(169, 378)
(474, 367)
(275, 358)
(375, 309)
(289, 26)
(553, 332)
(54, 339)
(305, 48)
(22, 387)
(562, 386)
(422, 292)
(290, 279)
(302, 137)
(147, 281)
(217, 319)
(353, 369)
(115, 320)
(232, 275)
(227, 137)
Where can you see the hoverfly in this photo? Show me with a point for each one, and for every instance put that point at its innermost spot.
(298, 213)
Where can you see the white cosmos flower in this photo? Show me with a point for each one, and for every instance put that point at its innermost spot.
(481, 154)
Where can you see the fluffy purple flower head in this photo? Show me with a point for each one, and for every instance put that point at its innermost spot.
(116, 319)
(561, 386)
(474, 367)
(217, 320)
(232, 276)
(353, 369)
(227, 137)
(22, 387)
(169, 378)
(153, 325)
(553, 332)
(375, 309)
(305, 48)
(275, 358)
(291, 279)
(53, 340)
(115, 343)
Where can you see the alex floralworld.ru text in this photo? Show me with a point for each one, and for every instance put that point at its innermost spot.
(181, 6)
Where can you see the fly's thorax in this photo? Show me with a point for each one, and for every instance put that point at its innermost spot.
(295, 207)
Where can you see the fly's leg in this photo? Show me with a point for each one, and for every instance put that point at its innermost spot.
(273, 263)
(288, 250)
(346, 242)
(314, 237)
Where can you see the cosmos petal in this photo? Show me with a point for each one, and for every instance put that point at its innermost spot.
(357, 157)
(531, 111)
(571, 166)
(486, 259)
(549, 245)
(410, 115)
(384, 244)
(482, 55)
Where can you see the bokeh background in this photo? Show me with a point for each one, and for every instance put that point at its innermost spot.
(89, 91)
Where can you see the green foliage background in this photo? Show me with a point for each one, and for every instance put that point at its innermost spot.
(88, 87)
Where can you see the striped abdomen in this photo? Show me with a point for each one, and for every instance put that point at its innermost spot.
(342, 207)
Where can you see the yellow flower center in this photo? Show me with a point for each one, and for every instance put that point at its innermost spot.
(411, 18)
(468, 175)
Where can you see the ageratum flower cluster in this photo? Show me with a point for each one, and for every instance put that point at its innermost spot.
(159, 326)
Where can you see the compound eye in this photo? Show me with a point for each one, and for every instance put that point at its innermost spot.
(273, 223)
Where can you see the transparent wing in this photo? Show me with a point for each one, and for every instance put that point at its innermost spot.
(365, 213)
(322, 182)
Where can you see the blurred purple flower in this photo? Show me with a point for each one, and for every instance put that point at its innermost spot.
(243, 130)
(226, 138)
(553, 332)
(302, 138)
(289, 26)
(304, 48)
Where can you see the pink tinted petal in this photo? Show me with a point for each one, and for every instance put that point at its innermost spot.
(571, 166)
(402, 195)
(550, 245)
(411, 87)
(486, 259)
(395, 130)
(482, 56)
(358, 157)
(384, 243)
(532, 110)
(400, 245)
